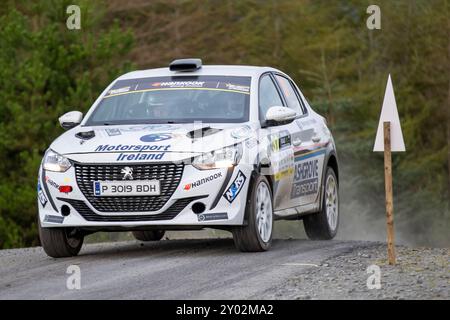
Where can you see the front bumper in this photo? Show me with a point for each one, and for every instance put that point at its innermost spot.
(194, 186)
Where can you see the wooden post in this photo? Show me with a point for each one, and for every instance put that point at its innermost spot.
(389, 196)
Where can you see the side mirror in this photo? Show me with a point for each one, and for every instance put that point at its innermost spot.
(277, 115)
(70, 119)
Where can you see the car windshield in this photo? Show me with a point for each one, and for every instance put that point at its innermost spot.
(214, 99)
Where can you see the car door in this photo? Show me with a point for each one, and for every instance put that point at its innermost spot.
(279, 142)
(304, 183)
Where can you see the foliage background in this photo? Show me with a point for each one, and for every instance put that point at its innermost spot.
(341, 66)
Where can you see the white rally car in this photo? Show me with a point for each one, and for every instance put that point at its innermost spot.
(190, 147)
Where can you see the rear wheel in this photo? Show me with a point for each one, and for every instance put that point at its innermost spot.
(149, 235)
(60, 242)
(324, 224)
(257, 234)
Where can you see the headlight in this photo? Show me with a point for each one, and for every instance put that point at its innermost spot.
(223, 158)
(56, 162)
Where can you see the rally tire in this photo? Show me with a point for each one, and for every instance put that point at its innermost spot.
(60, 242)
(249, 238)
(324, 224)
(149, 235)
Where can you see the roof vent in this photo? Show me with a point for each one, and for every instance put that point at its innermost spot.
(183, 65)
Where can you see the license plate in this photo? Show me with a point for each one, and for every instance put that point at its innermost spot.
(126, 188)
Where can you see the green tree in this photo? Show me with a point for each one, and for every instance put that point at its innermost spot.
(45, 71)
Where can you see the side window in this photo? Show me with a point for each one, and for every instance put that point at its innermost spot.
(289, 93)
(268, 95)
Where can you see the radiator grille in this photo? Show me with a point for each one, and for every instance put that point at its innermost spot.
(169, 175)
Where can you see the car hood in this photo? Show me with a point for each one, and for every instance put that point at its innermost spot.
(186, 140)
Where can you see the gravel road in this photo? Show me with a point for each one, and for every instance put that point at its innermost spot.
(213, 269)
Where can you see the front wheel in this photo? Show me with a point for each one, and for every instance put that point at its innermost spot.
(257, 234)
(324, 224)
(60, 242)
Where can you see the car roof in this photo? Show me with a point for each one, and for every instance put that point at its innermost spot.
(211, 70)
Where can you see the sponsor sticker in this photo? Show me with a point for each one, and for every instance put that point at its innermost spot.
(151, 127)
(140, 156)
(113, 132)
(156, 137)
(236, 87)
(134, 129)
(161, 127)
(41, 196)
(136, 155)
(306, 178)
(275, 145)
(198, 183)
(119, 90)
(135, 148)
(53, 219)
(212, 216)
(283, 164)
(280, 140)
(283, 174)
(235, 188)
(285, 141)
(179, 84)
(52, 183)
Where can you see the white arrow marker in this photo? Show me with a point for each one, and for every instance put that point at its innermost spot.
(389, 138)
(389, 113)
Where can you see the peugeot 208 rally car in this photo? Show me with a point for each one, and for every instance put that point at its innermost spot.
(190, 147)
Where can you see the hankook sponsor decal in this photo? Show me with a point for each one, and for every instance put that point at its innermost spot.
(52, 183)
(199, 182)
